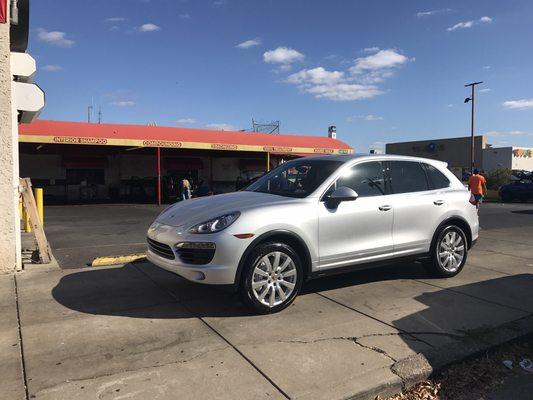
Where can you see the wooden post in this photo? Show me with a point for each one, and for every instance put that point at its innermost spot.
(37, 226)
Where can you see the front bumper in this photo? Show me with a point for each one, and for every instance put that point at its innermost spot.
(221, 270)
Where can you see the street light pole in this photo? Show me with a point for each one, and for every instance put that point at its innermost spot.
(472, 142)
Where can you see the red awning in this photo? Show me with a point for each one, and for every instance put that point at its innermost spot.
(183, 164)
(82, 133)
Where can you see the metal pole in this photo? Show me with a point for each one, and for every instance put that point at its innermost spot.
(472, 115)
(473, 142)
(268, 161)
(159, 176)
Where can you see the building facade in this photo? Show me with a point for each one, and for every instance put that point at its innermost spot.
(457, 153)
(81, 162)
(515, 158)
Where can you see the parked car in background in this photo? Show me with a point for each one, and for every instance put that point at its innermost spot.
(521, 190)
(317, 216)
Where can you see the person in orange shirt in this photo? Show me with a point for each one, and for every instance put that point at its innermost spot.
(478, 186)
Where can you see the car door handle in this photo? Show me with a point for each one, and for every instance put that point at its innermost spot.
(384, 208)
(438, 202)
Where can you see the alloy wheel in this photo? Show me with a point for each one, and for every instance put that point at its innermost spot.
(451, 251)
(274, 278)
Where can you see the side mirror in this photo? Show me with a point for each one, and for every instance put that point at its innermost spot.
(341, 194)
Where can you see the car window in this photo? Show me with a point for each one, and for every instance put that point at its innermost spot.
(295, 178)
(367, 179)
(407, 176)
(437, 179)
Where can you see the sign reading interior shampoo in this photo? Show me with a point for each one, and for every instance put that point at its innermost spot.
(323, 151)
(79, 140)
(221, 146)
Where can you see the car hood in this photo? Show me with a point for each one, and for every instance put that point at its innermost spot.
(194, 211)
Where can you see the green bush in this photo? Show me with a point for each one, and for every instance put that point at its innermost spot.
(498, 177)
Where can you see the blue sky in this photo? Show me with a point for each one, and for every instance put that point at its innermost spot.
(381, 71)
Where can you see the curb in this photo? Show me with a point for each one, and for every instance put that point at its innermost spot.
(419, 367)
(116, 260)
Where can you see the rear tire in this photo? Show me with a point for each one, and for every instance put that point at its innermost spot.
(272, 278)
(448, 252)
(506, 197)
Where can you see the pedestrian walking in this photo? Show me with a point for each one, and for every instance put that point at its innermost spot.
(477, 185)
(185, 189)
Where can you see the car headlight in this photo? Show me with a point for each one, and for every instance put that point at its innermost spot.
(216, 224)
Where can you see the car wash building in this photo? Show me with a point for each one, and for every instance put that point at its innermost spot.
(84, 162)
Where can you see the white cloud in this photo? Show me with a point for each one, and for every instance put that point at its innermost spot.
(222, 127)
(450, 105)
(219, 3)
(283, 55)
(377, 67)
(149, 28)
(485, 90)
(429, 13)
(521, 104)
(371, 117)
(461, 25)
(185, 16)
(51, 68)
(123, 103)
(316, 76)
(355, 84)
(383, 59)
(54, 38)
(249, 43)
(487, 67)
(470, 24)
(116, 19)
(373, 49)
(368, 117)
(186, 121)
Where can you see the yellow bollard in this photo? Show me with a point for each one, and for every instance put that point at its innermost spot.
(21, 210)
(40, 205)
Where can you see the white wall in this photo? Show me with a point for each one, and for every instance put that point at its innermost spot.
(500, 157)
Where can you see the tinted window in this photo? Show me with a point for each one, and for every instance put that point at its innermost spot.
(366, 179)
(437, 179)
(295, 178)
(407, 176)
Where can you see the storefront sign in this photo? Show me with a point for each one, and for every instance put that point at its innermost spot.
(24, 138)
(523, 153)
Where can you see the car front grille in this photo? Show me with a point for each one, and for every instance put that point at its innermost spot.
(196, 253)
(160, 249)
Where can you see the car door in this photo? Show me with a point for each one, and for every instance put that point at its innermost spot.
(418, 207)
(360, 230)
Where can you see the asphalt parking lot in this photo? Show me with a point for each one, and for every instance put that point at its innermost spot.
(80, 233)
(139, 332)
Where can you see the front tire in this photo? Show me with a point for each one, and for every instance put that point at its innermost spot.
(272, 278)
(448, 252)
(506, 197)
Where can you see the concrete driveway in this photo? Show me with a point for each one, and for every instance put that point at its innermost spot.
(139, 332)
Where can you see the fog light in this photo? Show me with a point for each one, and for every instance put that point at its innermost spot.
(196, 245)
(198, 276)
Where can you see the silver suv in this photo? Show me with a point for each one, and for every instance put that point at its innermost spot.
(316, 216)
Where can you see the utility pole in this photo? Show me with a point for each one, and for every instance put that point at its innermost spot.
(472, 143)
(99, 114)
(89, 112)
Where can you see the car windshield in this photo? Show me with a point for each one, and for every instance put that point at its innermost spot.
(297, 178)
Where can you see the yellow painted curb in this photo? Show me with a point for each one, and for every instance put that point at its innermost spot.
(115, 260)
